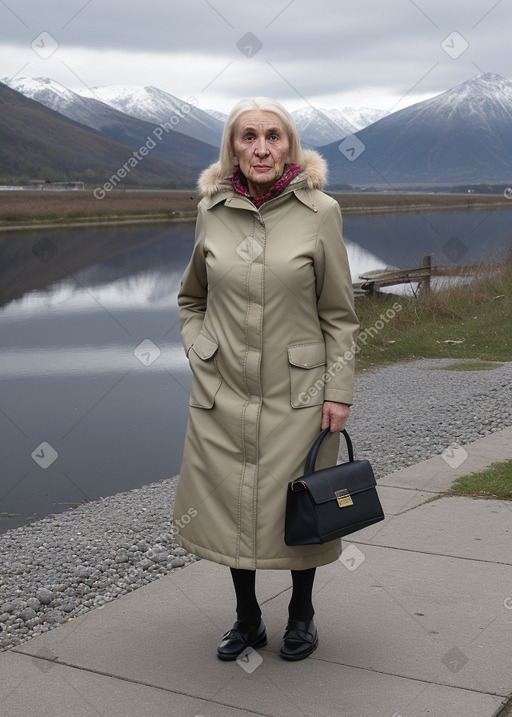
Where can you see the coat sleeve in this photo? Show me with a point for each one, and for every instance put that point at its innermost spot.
(194, 288)
(335, 304)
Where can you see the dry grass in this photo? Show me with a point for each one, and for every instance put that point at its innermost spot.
(470, 321)
(368, 202)
(49, 206)
(27, 207)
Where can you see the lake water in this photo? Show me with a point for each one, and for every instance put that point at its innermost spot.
(93, 379)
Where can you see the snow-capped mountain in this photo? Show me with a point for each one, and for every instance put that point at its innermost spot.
(103, 108)
(153, 105)
(55, 96)
(172, 145)
(315, 127)
(359, 117)
(35, 138)
(460, 136)
(221, 116)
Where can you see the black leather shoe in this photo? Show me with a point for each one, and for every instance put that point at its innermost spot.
(241, 636)
(299, 641)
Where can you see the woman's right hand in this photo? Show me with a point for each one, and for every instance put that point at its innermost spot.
(334, 415)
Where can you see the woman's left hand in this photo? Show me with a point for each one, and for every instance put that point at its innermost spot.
(334, 415)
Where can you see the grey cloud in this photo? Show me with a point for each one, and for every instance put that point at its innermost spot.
(315, 48)
(213, 26)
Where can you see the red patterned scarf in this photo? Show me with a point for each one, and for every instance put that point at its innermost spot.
(238, 180)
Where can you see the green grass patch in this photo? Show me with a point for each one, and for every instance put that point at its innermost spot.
(467, 366)
(494, 482)
(464, 321)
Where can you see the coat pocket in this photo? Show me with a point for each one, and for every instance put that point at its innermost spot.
(206, 379)
(306, 364)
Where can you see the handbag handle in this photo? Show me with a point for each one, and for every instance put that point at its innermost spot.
(310, 460)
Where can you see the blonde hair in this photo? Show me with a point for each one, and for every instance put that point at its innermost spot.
(264, 104)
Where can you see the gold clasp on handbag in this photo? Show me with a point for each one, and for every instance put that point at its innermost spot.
(343, 498)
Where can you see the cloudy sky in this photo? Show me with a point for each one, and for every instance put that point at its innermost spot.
(326, 53)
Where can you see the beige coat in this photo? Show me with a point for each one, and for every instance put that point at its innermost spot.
(266, 310)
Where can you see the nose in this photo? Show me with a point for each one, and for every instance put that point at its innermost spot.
(261, 148)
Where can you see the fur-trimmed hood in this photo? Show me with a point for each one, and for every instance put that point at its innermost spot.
(313, 175)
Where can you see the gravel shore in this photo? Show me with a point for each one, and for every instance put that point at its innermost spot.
(65, 565)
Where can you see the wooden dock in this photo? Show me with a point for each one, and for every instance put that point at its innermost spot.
(373, 281)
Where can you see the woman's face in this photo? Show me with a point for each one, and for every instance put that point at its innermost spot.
(260, 148)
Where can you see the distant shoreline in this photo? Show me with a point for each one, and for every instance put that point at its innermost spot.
(25, 210)
(4, 228)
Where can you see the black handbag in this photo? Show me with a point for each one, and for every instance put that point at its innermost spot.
(333, 502)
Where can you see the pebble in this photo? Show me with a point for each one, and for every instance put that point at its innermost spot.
(45, 596)
(122, 556)
(408, 412)
(28, 614)
(92, 554)
(68, 606)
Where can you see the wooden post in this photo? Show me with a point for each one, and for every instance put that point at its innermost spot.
(426, 262)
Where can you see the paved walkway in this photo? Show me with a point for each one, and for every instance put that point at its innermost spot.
(414, 620)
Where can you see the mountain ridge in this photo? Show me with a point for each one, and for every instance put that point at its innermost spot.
(151, 104)
(99, 107)
(461, 135)
(35, 139)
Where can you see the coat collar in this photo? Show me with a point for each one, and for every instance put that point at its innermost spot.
(216, 188)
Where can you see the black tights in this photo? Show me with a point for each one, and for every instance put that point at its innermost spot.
(300, 606)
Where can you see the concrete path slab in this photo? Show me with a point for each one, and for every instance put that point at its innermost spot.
(398, 500)
(443, 621)
(437, 474)
(34, 686)
(415, 619)
(408, 616)
(275, 689)
(476, 529)
(165, 637)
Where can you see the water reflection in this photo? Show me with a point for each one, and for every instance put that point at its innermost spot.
(76, 306)
(452, 237)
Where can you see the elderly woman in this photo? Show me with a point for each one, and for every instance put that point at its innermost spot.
(266, 308)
